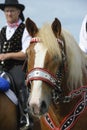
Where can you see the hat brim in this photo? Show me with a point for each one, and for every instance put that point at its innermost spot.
(19, 6)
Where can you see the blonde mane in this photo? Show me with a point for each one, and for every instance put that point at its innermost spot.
(49, 40)
(76, 59)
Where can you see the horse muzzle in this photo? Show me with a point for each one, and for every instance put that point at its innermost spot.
(38, 110)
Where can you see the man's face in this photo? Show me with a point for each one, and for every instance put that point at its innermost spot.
(12, 14)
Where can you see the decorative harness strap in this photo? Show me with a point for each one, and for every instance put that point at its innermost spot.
(42, 74)
(35, 40)
(71, 118)
(49, 122)
(75, 114)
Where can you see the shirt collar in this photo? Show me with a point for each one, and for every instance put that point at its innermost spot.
(14, 25)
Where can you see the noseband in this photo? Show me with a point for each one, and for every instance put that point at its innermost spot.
(42, 74)
(53, 80)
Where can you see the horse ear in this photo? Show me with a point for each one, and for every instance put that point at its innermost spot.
(31, 27)
(56, 27)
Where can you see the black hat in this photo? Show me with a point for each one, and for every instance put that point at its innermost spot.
(12, 3)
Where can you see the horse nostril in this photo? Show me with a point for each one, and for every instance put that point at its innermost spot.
(35, 109)
(43, 107)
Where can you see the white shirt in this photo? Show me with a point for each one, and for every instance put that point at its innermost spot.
(25, 38)
(83, 35)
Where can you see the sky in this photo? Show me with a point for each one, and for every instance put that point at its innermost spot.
(69, 12)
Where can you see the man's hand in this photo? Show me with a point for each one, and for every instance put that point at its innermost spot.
(13, 55)
(4, 56)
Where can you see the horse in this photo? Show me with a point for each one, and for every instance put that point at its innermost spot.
(9, 108)
(56, 77)
(8, 113)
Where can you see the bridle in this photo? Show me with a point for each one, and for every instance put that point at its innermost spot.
(53, 80)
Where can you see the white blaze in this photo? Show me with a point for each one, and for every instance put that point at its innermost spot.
(40, 53)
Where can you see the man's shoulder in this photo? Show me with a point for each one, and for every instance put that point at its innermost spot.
(3, 28)
(2, 31)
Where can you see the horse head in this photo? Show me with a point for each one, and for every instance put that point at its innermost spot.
(51, 57)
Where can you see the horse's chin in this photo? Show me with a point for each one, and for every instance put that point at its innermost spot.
(40, 114)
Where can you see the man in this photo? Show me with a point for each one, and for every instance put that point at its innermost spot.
(14, 39)
(83, 35)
